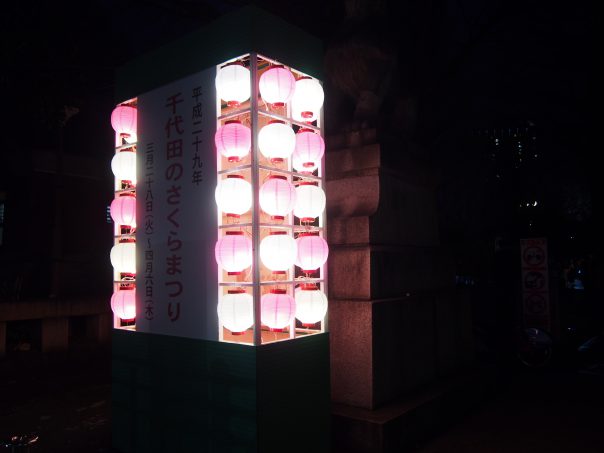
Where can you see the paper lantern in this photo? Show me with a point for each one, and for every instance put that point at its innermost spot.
(276, 141)
(312, 252)
(123, 166)
(277, 309)
(311, 305)
(123, 257)
(307, 99)
(310, 202)
(123, 303)
(233, 252)
(236, 311)
(123, 210)
(233, 140)
(233, 84)
(309, 150)
(277, 86)
(278, 252)
(277, 196)
(123, 121)
(233, 195)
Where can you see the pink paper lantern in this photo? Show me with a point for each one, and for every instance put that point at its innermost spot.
(311, 305)
(309, 150)
(278, 252)
(123, 210)
(277, 310)
(277, 86)
(233, 252)
(123, 304)
(123, 120)
(312, 252)
(277, 197)
(233, 140)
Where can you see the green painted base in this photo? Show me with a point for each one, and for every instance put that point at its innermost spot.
(175, 395)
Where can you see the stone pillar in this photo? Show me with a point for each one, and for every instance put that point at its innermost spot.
(55, 334)
(99, 327)
(395, 322)
(2, 338)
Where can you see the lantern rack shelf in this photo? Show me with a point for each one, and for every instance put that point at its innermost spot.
(235, 169)
(272, 282)
(126, 146)
(287, 120)
(131, 190)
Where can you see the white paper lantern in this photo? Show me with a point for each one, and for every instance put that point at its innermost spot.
(277, 310)
(123, 257)
(311, 305)
(123, 166)
(236, 311)
(310, 202)
(307, 100)
(277, 86)
(276, 141)
(233, 195)
(277, 196)
(233, 84)
(278, 252)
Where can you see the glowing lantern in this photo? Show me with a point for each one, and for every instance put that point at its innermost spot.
(309, 150)
(278, 309)
(307, 100)
(234, 195)
(123, 121)
(312, 252)
(123, 303)
(123, 210)
(278, 252)
(236, 311)
(123, 166)
(233, 84)
(233, 252)
(310, 202)
(123, 257)
(233, 140)
(277, 85)
(311, 305)
(277, 196)
(276, 141)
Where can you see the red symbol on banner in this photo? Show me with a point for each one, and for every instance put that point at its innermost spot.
(533, 256)
(535, 304)
(534, 281)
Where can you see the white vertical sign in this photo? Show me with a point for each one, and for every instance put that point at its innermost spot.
(176, 212)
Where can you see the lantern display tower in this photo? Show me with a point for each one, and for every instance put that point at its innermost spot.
(270, 222)
(221, 341)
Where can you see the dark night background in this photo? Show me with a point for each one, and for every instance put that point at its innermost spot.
(498, 96)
